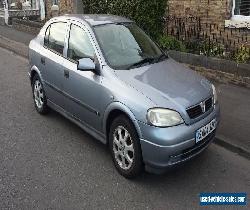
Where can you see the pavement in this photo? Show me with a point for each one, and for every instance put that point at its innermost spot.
(233, 132)
(47, 162)
(15, 35)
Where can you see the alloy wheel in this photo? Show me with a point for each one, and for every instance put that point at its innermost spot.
(123, 148)
(38, 94)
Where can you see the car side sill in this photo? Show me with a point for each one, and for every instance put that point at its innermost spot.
(93, 132)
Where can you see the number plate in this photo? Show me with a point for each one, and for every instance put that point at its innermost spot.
(205, 131)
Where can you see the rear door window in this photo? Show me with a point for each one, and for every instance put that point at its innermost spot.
(55, 36)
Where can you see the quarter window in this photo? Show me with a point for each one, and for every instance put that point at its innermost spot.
(79, 44)
(54, 37)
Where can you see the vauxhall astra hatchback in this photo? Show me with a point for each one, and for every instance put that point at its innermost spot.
(106, 74)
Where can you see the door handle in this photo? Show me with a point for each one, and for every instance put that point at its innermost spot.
(43, 60)
(66, 73)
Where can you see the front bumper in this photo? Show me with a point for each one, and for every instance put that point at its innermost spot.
(165, 147)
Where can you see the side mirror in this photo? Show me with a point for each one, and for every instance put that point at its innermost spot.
(86, 64)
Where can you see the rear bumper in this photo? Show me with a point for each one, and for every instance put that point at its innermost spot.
(166, 147)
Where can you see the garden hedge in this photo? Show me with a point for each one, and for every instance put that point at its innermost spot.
(148, 14)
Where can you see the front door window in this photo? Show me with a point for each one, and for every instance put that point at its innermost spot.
(79, 44)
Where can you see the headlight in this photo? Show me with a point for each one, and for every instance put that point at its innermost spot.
(164, 117)
(215, 97)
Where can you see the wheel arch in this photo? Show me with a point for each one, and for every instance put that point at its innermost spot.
(33, 71)
(114, 110)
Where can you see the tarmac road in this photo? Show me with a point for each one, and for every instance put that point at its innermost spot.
(46, 162)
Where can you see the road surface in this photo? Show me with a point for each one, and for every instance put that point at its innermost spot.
(46, 162)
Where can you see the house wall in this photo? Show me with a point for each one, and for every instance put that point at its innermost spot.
(212, 11)
(65, 7)
(212, 15)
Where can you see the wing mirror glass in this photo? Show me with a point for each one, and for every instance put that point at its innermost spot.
(86, 64)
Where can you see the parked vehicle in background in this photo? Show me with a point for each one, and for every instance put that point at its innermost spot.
(106, 75)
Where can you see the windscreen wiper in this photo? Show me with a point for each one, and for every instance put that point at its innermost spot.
(141, 62)
(163, 56)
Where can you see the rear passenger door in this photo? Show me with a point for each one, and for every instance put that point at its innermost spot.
(52, 61)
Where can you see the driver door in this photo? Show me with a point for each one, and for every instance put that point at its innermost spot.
(85, 94)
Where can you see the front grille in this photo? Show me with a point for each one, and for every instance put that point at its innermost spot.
(208, 103)
(194, 112)
(199, 109)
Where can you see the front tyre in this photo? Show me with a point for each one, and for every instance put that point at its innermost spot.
(39, 96)
(125, 147)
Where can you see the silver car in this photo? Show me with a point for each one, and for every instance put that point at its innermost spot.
(106, 75)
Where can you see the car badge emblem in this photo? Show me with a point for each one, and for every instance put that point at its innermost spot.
(203, 106)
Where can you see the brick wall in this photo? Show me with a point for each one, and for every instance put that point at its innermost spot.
(212, 15)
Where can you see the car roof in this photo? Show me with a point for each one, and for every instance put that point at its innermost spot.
(96, 19)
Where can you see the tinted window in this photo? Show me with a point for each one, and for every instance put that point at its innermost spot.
(54, 37)
(79, 44)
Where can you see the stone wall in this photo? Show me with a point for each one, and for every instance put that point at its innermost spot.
(2, 21)
(212, 15)
(222, 77)
(217, 69)
(27, 25)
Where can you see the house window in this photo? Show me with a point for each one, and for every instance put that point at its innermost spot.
(240, 15)
(241, 8)
(54, 2)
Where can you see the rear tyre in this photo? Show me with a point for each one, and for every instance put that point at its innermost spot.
(39, 96)
(125, 147)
